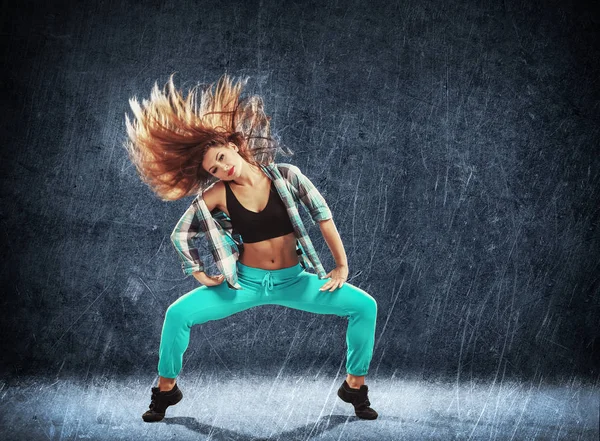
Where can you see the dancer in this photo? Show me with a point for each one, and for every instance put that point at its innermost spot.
(220, 150)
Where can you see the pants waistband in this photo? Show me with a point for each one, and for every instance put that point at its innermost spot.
(277, 275)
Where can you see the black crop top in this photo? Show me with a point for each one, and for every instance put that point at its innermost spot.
(273, 221)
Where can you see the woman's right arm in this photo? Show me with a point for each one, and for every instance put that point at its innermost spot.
(188, 228)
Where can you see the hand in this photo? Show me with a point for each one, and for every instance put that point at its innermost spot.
(207, 280)
(337, 278)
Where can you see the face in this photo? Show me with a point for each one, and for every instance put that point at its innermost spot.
(220, 160)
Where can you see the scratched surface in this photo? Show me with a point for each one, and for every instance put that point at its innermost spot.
(292, 407)
(457, 146)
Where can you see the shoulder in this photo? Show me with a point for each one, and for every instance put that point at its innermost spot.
(288, 170)
(214, 195)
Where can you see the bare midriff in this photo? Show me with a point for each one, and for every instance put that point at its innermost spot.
(271, 254)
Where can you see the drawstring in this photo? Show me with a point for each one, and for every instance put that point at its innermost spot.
(267, 282)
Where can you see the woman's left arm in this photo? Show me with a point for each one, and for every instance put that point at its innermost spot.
(316, 205)
(340, 274)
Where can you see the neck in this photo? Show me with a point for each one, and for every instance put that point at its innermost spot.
(249, 177)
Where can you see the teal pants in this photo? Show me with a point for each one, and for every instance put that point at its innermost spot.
(292, 287)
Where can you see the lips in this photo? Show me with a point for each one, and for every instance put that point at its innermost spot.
(230, 171)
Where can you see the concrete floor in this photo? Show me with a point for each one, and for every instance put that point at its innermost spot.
(296, 408)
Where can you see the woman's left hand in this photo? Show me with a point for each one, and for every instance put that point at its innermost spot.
(337, 278)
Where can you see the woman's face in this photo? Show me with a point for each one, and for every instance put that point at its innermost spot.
(223, 162)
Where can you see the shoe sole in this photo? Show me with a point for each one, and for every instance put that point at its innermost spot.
(151, 418)
(367, 417)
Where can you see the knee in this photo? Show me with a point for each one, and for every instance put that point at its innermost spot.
(364, 303)
(370, 307)
(175, 314)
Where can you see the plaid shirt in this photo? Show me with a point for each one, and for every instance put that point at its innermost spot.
(225, 246)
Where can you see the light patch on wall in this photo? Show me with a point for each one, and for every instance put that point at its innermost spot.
(134, 288)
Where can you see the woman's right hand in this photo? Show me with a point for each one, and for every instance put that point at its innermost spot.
(207, 280)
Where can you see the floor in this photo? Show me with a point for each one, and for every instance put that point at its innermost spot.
(296, 408)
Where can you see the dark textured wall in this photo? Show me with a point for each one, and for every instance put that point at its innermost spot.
(457, 145)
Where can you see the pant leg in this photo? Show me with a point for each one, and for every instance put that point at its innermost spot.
(200, 305)
(348, 301)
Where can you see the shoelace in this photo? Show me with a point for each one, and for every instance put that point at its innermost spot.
(363, 405)
(153, 400)
(366, 403)
(267, 283)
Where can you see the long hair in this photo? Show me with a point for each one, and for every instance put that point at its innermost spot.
(170, 135)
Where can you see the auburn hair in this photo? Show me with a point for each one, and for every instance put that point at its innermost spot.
(170, 135)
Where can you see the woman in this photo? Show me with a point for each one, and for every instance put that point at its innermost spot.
(246, 207)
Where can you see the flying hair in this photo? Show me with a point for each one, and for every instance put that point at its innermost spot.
(171, 133)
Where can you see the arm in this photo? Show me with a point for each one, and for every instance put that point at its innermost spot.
(307, 193)
(182, 237)
(334, 242)
(190, 226)
(339, 274)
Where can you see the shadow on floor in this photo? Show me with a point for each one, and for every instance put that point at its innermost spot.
(220, 434)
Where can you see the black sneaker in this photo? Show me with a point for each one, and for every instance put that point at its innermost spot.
(160, 402)
(359, 399)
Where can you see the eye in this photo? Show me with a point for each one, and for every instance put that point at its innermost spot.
(213, 171)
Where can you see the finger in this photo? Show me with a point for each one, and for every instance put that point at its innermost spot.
(217, 280)
(337, 284)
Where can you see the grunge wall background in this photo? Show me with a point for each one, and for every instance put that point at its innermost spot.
(456, 144)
